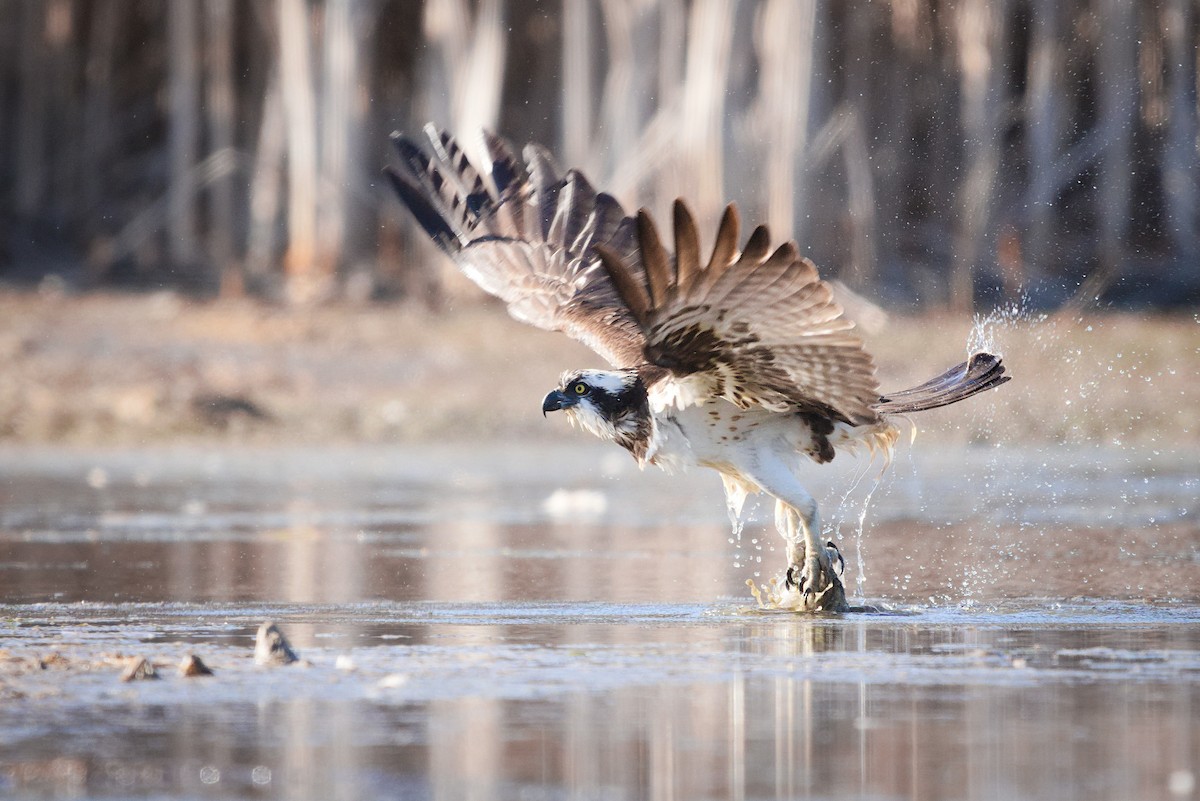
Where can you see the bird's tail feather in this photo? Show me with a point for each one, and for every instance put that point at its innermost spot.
(981, 372)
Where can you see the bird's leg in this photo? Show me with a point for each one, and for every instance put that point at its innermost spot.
(813, 569)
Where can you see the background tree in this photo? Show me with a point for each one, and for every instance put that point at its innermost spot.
(943, 152)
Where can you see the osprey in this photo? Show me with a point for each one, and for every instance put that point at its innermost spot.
(736, 359)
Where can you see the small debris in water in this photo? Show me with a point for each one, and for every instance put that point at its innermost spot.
(1181, 782)
(138, 669)
(97, 478)
(192, 666)
(53, 660)
(271, 647)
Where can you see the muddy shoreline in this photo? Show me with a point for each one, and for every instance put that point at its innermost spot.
(129, 370)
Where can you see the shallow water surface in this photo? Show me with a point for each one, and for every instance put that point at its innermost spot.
(474, 625)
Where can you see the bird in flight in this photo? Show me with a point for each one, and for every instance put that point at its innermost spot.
(738, 358)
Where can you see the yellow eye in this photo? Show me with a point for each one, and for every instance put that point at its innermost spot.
(581, 388)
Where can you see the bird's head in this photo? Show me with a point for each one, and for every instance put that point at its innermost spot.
(610, 404)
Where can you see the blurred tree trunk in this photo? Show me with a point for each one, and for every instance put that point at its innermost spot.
(307, 280)
(106, 131)
(266, 186)
(901, 183)
(64, 18)
(11, 11)
(1117, 83)
(645, 102)
(864, 93)
(30, 165)
(184, 132)
(980, 27)
(861, 201)
(219, 34)
(577, 95)
(461, 75)
(343, 120)
(670, 48)
(1180, 166)
(446, 25)
(464, 66)
(786, 39)
(1043, 123)
(97, 111)
(701, 171)
(48, 114)
(624, 29)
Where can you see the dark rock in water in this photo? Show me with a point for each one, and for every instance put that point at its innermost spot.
(220, 411)
(191, 666)
(138, 669)
(271, 647)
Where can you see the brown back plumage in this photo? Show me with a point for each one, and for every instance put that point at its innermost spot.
(758, 328)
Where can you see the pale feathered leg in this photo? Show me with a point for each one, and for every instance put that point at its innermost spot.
(812, 569)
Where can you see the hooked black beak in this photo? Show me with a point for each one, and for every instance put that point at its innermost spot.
(557, 400)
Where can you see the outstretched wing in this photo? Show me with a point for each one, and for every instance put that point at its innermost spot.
(527, 234)
(758, 328)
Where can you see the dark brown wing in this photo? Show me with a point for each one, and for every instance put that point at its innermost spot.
(526, 233)
(757, 328)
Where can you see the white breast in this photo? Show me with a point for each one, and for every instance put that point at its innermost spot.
(735, 441)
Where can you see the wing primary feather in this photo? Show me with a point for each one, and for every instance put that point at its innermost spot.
(508, 177)
(785, 255)
(624, 243)
(575, 202)
(431, 218)
(631, 291)
(424, 171)
(410, 152)
(687, 247)
(724, 247)
(506, 170)
(453, 181)
(525, 232)
(434, 134)
(608, 214)
(724, 254)
(757, 246)
(546, 179)
(458, 171)
(464, 172)
(655, 260)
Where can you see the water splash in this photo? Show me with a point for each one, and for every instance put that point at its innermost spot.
(989, 329)
(736, 494)
(848, 521)
(737, 525)
(1080, 437)
(840, 515)
(860, 580)
(1104, 387)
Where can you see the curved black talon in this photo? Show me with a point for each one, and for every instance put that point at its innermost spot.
(790, 581)
(841, 562)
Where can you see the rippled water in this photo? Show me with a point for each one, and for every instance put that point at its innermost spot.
(546, 623)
